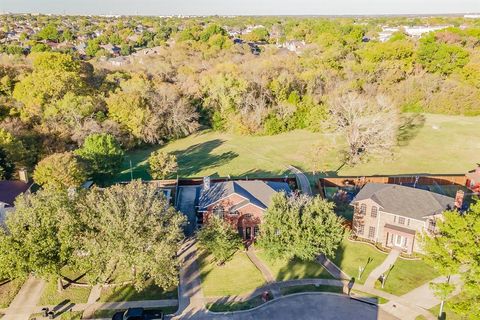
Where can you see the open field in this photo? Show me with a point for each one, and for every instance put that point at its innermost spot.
(444, 144)
(235, 277)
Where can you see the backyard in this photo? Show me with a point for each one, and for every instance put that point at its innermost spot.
(428, 149)
(235, 277)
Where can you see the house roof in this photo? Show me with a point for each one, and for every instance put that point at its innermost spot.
(474, 175)
(405, 201)
(10, 189)
(257, 192)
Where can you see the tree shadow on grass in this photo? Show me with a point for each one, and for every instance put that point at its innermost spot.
(410, 125)
(199, 157)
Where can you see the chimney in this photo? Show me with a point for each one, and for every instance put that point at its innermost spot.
(23, 175)
(206, 183)
(459, 199)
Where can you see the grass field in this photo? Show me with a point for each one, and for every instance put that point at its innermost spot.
(444, 144)
(295, 269)
(8, 291)
(407, 275)
(128, 293)
(235, 277)
(235, 306)
(350, 255)
(310, 288)
(72, 294)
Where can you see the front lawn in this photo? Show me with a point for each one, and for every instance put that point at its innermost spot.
(350, 255)
(72, 294)
(8, 291)
(234, 305)
(68, 315)
(129, 293)
(407, 275)
(310, 288)
(235, 277)
(294, 269)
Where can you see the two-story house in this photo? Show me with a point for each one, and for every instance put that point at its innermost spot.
(392, 215)
(241, 203)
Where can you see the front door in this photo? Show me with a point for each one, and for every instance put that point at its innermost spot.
(248, 233)
(399, 241)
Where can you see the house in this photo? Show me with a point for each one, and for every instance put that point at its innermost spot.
(9, 191)
(393, 215)
(473, 180)
(294, 46)
(241, 203)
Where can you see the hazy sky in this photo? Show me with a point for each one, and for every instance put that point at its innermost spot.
(241, 7)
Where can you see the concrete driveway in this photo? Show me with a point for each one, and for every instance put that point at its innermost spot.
(187, 200)
(307, 306)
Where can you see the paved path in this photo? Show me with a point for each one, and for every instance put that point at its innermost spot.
(92, 299)
(424, 297)
(332, 268)
(302, 179)
(27, 298)
(186, 204)
(382, 268)
(191, 299)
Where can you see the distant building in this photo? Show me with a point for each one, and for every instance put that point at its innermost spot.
(296, 46)
(472, 16)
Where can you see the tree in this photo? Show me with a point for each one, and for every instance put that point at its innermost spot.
(6, 166)
(39, 236)
(370, 125)
(455, 249)
(129, 229)
(440, 57)
(162, 164)
(300, 226)
(219, 238)
(60, 170)
(14, 149)
(49, 32)
(102, 154)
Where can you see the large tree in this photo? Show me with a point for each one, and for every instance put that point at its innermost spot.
(103, 155)
(162, 164)
(300, 226)
(455, 249)
(369, 124)
(60, 170)
(129, 229)
(39, 235)
(6, 166)
(220, 239)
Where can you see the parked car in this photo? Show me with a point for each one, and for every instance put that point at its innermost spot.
(139, 314)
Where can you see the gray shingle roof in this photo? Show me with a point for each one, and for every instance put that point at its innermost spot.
(405, 201)
(256, 192)
(10, 189)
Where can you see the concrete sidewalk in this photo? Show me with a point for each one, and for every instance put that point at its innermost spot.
(382, 268)
(26, 299)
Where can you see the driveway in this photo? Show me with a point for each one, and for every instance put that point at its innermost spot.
(307, 306)
(187, 200)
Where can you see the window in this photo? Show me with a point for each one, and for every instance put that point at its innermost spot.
(218, 211)
(235, 213)
(371, 232)
(255, 231)
(374, 211)
(431, 225)
(360, 229)
(363, 208)
(394, 218)
(401, 220)
(408, 222)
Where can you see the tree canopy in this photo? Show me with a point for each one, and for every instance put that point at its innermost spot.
(60, 170)
(162, 164)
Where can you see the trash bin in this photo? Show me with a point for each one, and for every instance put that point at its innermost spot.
(51, 315)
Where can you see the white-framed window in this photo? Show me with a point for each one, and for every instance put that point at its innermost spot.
(360, 229)
(363, 208)
(219, 212)
(371, 232)
(401, 220)
(374, 212)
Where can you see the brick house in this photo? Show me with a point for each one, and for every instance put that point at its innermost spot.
(241, 203)
(393, 215)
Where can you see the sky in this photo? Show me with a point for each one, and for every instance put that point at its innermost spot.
(242, 7)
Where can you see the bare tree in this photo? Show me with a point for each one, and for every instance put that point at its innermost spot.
(369, 124)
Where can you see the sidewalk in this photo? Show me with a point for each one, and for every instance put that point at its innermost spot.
(26, 299)
(383, 268)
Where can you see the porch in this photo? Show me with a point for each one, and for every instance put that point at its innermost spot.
(399, 237)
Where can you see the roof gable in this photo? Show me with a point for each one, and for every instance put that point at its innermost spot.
(11, 189)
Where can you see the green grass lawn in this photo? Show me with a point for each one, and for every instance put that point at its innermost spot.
(450, 315)
(8, 291)
(128, 293)
(350, 255)
(361, 294)
(69, 315)
(294, 269)
(72, 294)
(235, 277)
(235, 306)
(310, 288)
(407, 275)
(430, 150)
